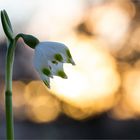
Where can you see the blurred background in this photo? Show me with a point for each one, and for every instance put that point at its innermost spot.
(101, 97)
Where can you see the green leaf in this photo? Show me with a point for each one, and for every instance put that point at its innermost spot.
(6, 27)
(8, 20)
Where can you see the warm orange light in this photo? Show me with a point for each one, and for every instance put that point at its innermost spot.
(98, 107)
(111, 22)
(128, 105)
(19, 102)
(18, 94)
(131, 86)
(41, 105)
(92, 82)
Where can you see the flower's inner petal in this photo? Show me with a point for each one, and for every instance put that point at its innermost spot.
(57, 69)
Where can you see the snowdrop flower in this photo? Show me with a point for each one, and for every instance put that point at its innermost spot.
(49, 58)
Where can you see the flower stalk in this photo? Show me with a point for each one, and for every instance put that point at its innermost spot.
(8, 91)
(49, 58)
(8, 75)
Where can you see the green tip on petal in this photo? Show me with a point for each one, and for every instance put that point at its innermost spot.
(58, 57)
(62, 74)
(71, 61)
(47, 72)
(69, 57)
(68, 53)
(47, 83)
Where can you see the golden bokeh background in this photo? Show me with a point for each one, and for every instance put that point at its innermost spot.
(103, 37)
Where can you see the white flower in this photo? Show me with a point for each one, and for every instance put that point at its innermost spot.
(49, 58)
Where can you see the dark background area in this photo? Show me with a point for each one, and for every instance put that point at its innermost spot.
(102, 127)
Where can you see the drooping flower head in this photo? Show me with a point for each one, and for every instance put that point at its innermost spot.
(49, 58)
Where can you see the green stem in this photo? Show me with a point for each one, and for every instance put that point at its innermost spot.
(8, 92)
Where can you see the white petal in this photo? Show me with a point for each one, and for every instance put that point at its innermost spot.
(49, 49)
(39, 60)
